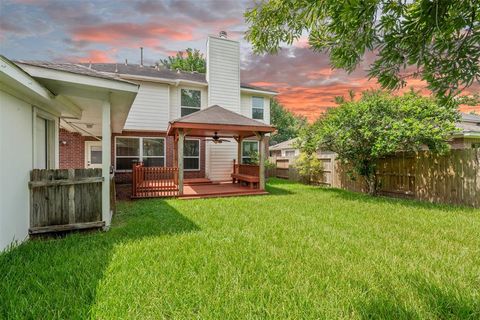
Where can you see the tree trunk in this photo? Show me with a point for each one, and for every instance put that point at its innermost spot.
(372, 186)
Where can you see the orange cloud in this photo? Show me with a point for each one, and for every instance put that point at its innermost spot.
(132, 34)
(97, 56)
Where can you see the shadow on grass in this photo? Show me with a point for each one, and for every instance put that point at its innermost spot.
(444, 304)
(57, 278)
(384, 308)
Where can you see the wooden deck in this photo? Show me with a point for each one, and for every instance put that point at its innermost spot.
(215, 190)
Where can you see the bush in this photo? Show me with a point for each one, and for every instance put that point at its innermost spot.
(309, 167)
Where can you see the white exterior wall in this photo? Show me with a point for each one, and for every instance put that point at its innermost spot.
(150, 110)
(175, 104)
(16, 161)
(223, 73)
(223, 77)
(246, 106)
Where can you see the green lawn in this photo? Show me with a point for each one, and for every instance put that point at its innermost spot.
(301, 252)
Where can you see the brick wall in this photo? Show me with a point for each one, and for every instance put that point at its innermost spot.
(72, 149)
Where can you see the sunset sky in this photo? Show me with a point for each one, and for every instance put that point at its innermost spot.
(112, 31)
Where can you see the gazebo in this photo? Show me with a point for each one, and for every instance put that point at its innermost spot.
(219, 124)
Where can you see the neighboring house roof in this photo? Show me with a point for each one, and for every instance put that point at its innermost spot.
(161, 73)
(70, 67)
(469, 125)
(289, 144)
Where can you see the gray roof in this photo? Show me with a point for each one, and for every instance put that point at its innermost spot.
(161, 73)
(219, 116)
(146, 71)
(289, 144)
(470, 117)
(70, 67)
(470, 123)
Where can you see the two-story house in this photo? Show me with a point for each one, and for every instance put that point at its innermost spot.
(164, 98)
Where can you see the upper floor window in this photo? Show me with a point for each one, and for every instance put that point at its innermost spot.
(190, 101)
(151, 151)
(257, 108)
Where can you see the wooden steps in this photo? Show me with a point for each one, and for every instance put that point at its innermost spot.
(197, 182)
(223, 195)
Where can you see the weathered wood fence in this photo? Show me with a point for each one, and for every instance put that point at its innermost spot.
(65, 199)
(453, 178)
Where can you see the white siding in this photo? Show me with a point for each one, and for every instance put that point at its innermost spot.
(150, 110)
(15, 164)
(223, 73)
(220, 160)
(246, 106)
(223, 76)
(175, 99)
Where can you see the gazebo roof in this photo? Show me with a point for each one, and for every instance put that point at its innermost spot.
(217, 119)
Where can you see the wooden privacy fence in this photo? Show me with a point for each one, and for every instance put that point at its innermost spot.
(65, 199)
(453, 178)
(149, 182)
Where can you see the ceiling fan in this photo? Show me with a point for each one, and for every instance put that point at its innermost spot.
(216, 139)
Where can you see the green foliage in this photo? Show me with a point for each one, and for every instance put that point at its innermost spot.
(309, 167)
(438, 41)
(287, 123)
(378, 125)
(298, 253)
(189, 60)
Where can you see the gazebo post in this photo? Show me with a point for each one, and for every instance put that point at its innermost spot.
(239, 149)
(261, 160)
(181, 138)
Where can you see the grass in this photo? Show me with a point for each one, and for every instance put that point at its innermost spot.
(301, 252)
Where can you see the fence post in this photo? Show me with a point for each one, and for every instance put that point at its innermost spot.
(71, 197)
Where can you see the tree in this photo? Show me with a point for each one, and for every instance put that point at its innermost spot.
(309, 167)
(287, 123)
(188, 60)
(435, 40)
(378, 125)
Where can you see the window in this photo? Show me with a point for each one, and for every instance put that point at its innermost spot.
(190, 101)
(44, 148)
(289, 153)
(149, 150)
(257, 108)
(249, 152)
(191, 154)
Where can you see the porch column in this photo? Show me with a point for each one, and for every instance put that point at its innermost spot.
(181, 138)
(261, 160)
(239, 150)
(106, 161)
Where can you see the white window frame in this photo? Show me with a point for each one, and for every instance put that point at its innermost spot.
(188, 107)
(247, 157)
(290, 150)
(263, 107)
(140, 150)
(194, 157)
(52, 150)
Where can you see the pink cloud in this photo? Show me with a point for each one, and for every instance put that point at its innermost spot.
(98, 56)
(132, 34)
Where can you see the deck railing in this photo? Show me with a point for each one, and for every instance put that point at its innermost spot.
(247, 169)
(149, 182)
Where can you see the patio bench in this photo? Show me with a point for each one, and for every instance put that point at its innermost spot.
(251, 180)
